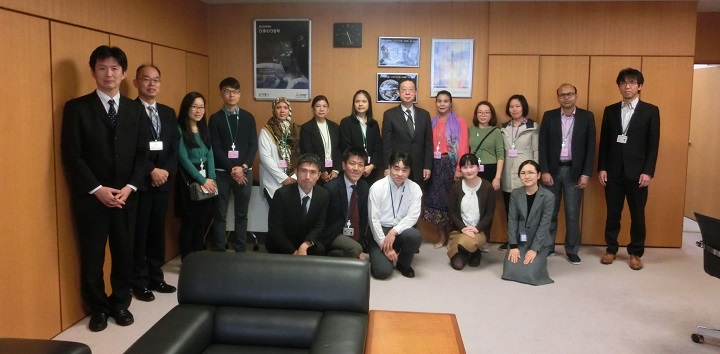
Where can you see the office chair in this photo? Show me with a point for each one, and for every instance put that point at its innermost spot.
(710, 231)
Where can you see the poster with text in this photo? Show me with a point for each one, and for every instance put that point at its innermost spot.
(451, 67)
(388, 84)
(399, 52)
(282, 59)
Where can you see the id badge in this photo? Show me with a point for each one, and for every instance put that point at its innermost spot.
(512, 153)
(437, 155)
(523, 237)
(368, 160)
(202, 173)
(233, 154)
(348, 231)
(622, 139)
(156, 146)
(282, 164)
(481, 168)
(328, 163)
(564, 153)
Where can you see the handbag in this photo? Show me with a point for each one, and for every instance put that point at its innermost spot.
(196, 190)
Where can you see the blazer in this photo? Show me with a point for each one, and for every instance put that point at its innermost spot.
(486, 205)
(94, 153)
(637, 156)
(221, 138)
(166, 158)
(536, 224)
(311, 141)
(396, 137)
(337, 212)
(351, 135)
(583, 143)
(287, 229)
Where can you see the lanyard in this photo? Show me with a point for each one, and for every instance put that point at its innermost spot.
(363, 131)
(569, 130)
(517, 132)
(227, 120)
(439, 132)
(392, 200)
(326, 143)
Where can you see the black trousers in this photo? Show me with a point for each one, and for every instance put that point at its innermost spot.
(149, 244)
(616, 191)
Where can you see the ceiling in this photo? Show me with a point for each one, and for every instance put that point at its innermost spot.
(703, 5)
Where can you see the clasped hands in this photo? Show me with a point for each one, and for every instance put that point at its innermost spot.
(238, 175)
(111, 197)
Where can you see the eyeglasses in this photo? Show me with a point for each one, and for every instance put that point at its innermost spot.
(229, 92)
(628, 83)
(484, 113)
(528, 173)
(410, 90)
(566, 95)
(146, 80)
(197, 108)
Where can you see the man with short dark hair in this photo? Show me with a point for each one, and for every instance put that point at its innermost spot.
(149, 244)
(629, 142)
(566, 157)
(298, 211)
(104, 147)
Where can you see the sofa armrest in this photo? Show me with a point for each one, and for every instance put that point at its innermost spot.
(186, 329)
(341, 332)
(42, 346)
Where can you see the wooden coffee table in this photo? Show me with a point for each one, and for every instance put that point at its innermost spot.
(413, 333)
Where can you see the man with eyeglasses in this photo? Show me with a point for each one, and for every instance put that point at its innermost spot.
(149, 245)
(629, 142)
(407, 128)
(234, 141)
(567, 156)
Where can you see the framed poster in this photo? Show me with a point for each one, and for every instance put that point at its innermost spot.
(399, 52)
(388, 83)
(282, 59)
(451, 67)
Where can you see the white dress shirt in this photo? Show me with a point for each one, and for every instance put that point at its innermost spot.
(393, 206)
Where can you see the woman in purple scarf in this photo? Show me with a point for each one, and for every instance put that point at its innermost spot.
(450, 141)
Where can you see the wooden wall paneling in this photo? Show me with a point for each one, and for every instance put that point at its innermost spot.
(700, 193)
(31, 291)
(197, 74)
(71, 77)
(593, 28)
(668, 85)
(138, 53)
(603, 92)
(707, 45)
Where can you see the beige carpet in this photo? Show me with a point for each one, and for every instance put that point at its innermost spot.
(591, 308)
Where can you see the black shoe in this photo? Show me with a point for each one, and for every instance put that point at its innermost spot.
(123, 317)
(574, 259)
(143, 294)
(475, 258)
(98, 321)
(459, 260)
(551, 253)
(503, 247)
(163, 287)
(406, 272)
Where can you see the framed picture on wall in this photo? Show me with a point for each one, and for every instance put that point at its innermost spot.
(388, 83)
(451, 67)
(399, 52)
(282, 59)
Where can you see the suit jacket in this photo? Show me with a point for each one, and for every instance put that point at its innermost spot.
(166, 158)
(536, 224)
(396, 137)
(286, 227)
(94, 153)
(351, 135)
(311, 141)
(337, 213)
(486, 205)
(583, 143)
(639, 154)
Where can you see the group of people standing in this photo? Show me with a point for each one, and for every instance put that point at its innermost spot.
(340, 189)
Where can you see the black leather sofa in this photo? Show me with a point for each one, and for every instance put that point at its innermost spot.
(264, 303)
(41, 346)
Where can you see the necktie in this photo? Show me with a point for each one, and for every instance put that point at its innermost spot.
(304, 205)
(112, 113)
(411, 125)
(354, 213)
(155, 119)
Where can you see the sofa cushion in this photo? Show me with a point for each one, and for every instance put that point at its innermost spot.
(266, 327)
(248, 349)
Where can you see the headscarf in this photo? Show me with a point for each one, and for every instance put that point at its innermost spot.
(452, 134)
(286, 136)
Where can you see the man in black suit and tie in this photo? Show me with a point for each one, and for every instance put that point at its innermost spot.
(149, 244)
(567, 156)
(104, 147)
(629, 141)
(297, 212)
(407, 128)
(347, 214)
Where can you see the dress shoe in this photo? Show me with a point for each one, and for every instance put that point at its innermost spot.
(475, 258)
(607, 258)
(635, 263)
(406, 272)
(98, 321)
(143, 294)
(123, 317)
(163, 287)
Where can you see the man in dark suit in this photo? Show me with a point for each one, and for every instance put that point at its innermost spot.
(407, 128)
(567, 156)
(629, 141)
(347, 214)
(104, 147)
(149, 244)
(297, 212)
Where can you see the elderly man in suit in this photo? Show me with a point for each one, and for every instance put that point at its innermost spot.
(407, 128)
(629, 142)
(149, 244)
(567, 156)
(297, 212)
(104, 147)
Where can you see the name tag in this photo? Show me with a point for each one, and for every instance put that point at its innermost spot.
(282, 164)
(437, 155)
(156, 145)
(512, 153)
(481, 168)
(233, 154)
(622, 139)
(523, 237)
(347, 231)
(564, 153)
(328, 163)
(202, 173)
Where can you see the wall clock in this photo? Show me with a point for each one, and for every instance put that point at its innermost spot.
(347, 35)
